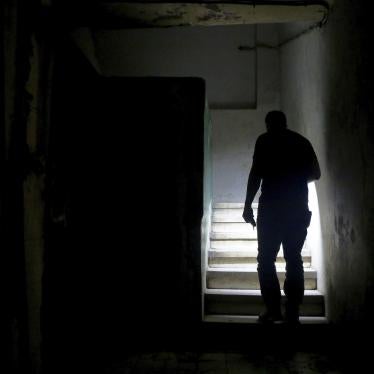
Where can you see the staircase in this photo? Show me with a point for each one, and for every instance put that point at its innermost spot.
(232, 288)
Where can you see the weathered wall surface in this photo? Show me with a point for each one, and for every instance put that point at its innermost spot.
(325, 93)
(24, 70)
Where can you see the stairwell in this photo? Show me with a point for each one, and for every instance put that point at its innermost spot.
(232, 291)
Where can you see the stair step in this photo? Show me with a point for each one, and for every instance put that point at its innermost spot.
(232, 231)
(252, 319)
(237, 257)
(240, 235)
(247, 278)
(245, 245)
(235, 245)
(244, 262)
(249, 302)
(229, 215)
(252, 252)
(232, 227)
(232, 205)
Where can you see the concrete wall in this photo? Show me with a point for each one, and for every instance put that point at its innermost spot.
(24, 66)
(241, 85)
(208, 52)
(325, 93)
(235, 131)
(233, 141)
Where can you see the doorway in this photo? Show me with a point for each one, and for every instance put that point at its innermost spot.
(126, 201)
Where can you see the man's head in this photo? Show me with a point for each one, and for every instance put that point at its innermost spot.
(275, 121)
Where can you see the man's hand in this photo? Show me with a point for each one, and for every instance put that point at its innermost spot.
(248, 216)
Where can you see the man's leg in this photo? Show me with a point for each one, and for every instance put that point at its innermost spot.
(269, 241)
(293, 242)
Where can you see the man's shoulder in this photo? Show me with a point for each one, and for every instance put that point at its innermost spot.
(297, 136)
(293, 136)
(263, 137)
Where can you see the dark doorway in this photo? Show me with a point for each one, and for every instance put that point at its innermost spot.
(125, 200)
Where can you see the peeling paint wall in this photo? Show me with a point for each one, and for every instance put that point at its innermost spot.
(192, 14)
(326, 95)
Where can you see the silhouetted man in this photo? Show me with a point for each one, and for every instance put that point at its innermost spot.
(283, 164)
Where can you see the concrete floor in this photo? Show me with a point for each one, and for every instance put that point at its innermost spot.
(231, 362)
(226, 349)
(240, 349)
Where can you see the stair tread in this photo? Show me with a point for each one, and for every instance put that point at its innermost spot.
(233, 292)
(247, 251)
(239, 225)
(247, 263)
(232, 205)
(252, 268)
(219, 235)
(246, 278)
(234, 245)
(218, 318)
(229, 215)
(250, 302)
(244, 245)
(242, 256)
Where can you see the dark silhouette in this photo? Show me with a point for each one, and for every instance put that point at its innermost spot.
(283, 164)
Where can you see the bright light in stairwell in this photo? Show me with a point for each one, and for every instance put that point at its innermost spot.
(314, 207)
(314, 238)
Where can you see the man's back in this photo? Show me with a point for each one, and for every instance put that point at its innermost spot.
(283, 160)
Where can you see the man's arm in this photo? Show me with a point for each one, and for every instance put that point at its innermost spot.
(254, 183)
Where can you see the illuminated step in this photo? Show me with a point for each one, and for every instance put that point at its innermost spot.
(232, 231)
(232, 227)
(229, 215)
(247, 277)
(232, 206)
(233, 235)
(249, 302)
(253, 319)
(230, 262)
(244, 256)
(249, 245)
(234, 245)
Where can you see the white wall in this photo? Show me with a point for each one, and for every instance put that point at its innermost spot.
(208, 52)
(233, 140)
(235, 131)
